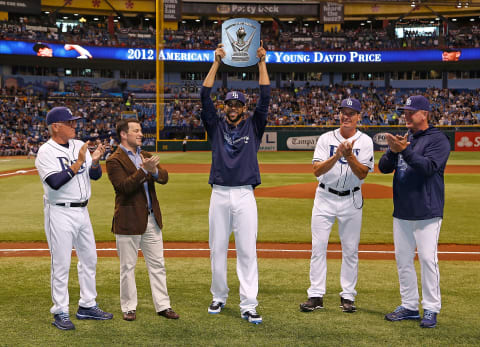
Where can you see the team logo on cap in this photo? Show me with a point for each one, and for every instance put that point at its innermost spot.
(409, 102)
(349, 102)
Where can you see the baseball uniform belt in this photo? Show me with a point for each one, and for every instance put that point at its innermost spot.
(73, 204)
(338, 192)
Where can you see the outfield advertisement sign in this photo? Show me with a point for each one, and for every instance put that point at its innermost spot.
(467, 141)
(302, 142)
(206, 56)
(269, 142)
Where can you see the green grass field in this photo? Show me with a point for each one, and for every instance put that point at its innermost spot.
(25, 297)
(25, 291)
(185, 200)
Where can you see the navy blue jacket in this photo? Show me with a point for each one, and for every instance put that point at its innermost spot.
(418, 186)
(234, 149)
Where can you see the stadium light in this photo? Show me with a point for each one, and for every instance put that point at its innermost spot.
(454, 19)
(75, 14)
(47, 12)
(459, 4)
(466, 4)
(472, 19)
(413, 4)
(95, 18)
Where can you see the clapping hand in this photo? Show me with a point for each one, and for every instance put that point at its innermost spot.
(98, 153)
(345, 149)
(397, 143)
(150, 164)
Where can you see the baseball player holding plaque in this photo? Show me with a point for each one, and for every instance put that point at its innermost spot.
(235, 140)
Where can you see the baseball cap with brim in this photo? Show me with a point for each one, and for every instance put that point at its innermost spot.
(60, 114)
(234, 95)
(415, 103)
(352, 103)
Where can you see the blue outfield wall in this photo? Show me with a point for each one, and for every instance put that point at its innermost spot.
(305, 137)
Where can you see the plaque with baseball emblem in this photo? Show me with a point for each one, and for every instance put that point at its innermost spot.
(240, 39)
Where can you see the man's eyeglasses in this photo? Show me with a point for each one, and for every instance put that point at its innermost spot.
(69, 123)
(234, 104)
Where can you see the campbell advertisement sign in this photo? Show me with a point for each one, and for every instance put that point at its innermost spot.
(467, 141)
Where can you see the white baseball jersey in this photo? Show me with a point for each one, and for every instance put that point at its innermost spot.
(53, 158)
(340, 176)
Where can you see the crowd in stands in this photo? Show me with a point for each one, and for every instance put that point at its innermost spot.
(23, 130)
(295, 36)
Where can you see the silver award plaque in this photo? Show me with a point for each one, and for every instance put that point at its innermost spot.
(240, 39)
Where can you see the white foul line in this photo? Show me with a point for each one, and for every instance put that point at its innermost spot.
(18, 172)
(230, 249)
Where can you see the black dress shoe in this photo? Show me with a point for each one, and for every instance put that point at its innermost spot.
(169, 314)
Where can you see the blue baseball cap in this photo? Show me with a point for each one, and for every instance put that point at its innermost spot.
(60, 114)
(352, 103)
(234, 95)
(415, 103)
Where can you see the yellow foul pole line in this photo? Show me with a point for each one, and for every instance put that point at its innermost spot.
(159, 65)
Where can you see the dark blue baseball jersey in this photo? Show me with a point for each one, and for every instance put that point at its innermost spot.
(418, 185)
(234, 149)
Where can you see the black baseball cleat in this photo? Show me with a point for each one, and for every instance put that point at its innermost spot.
(93, 312)
(252, 317)
(312, 304)
(63, 322)
(347, 306)
(215, 307)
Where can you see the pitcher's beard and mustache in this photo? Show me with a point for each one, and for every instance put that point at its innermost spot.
(236, 118)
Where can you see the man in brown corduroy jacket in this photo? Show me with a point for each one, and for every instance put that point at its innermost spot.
(137, 220)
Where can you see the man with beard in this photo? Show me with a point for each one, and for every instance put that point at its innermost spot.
(235, 141)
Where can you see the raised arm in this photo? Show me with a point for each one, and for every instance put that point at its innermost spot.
(219, 55)
(262, 66)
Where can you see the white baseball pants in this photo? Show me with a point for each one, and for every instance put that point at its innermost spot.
(67, 227)
(234, 209)
(423, 235)
(326, 208)
(151, 244)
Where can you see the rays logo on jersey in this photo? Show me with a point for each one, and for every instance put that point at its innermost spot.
(65, 163)
(333, 150)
